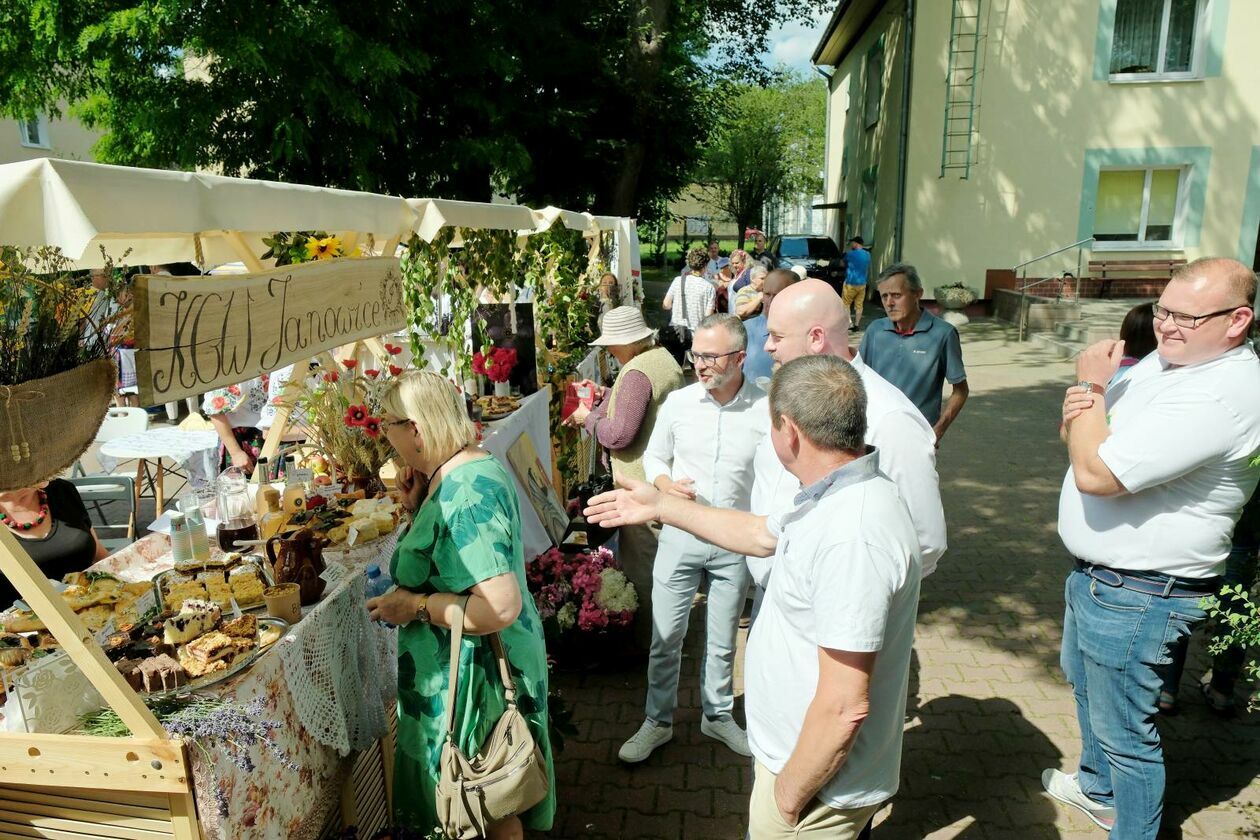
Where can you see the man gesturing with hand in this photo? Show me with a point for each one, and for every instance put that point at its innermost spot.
(828, 657)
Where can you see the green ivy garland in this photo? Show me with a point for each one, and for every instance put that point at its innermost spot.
(558, 265)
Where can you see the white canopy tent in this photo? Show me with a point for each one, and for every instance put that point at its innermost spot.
(161, 216)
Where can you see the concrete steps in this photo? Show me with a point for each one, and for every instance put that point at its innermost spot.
(1099, 320)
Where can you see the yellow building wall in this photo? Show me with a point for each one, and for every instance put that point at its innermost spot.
(866, 148)
(1039, 109)
(67, 138)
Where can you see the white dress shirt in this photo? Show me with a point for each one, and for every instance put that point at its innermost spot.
(907, 455)
(713, 445)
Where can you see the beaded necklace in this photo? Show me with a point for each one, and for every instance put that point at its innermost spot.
(26, 526)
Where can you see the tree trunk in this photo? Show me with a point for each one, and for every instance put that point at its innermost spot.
(646, 55)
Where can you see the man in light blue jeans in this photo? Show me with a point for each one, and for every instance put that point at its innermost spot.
(1158, 478)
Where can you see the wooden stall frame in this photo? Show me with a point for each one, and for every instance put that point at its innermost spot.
(149, 761)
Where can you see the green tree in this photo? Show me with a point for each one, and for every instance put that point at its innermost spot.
(583, 103)
(768, 143)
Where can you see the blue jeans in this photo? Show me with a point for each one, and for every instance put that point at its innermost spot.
(1227, 666)
(1117, 647)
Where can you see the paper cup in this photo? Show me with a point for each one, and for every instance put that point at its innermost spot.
(284, 601)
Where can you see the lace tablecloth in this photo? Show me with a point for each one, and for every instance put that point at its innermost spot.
(328, 683)
(195, 451)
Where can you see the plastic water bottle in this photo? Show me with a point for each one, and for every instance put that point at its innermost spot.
(378, 583)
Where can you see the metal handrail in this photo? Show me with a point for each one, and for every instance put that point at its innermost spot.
(1023, 287)
(1052, 253)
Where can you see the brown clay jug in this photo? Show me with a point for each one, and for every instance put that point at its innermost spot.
(300, 560)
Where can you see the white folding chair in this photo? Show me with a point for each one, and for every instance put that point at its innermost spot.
(95, 489)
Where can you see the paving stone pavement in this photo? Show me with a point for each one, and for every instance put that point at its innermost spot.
(989, 708)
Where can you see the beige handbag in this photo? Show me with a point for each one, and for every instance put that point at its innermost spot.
(507, 777)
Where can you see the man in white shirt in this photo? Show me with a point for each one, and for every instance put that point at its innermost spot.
(1158, 478)
(701, 448)
(828, 659)
(809, 319)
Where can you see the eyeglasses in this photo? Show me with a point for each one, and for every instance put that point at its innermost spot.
(708, 359)
(1189, 322)
(392, 423)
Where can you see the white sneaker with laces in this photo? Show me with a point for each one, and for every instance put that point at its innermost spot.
(644, 742)
(726, 730)
(1067, 790)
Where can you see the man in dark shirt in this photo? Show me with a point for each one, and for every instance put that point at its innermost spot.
(915, 350)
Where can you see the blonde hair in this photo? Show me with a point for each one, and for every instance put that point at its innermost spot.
(437, 409)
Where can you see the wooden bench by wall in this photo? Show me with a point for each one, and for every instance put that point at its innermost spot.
(1129, 278)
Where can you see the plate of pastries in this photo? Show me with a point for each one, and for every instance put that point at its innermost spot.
(189, 648)
(235, 578)
(496, 408)
(96, 597)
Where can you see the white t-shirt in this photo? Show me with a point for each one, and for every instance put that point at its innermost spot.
(1182, 440)
(846, 577)
(701, 298)
(907, 455)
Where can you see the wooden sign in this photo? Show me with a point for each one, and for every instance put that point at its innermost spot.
(195, 334)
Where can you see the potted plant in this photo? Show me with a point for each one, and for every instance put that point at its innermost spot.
(955, 296)
(57, 376)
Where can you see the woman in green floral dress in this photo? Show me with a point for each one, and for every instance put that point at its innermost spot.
(465, 538)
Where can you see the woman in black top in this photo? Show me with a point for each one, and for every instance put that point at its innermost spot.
(54, 527)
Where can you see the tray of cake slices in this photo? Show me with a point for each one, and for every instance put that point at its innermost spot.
(231, 579)
(191, 648)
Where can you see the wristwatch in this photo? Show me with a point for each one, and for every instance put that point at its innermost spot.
(422, 611)
(1090, 387)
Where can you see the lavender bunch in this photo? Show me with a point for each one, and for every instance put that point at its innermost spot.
(234, 726)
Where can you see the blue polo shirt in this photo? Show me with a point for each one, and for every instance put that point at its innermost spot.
(758, 363)
(917, 362)
(858, 262)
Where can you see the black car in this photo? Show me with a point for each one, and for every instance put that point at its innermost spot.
(817, 254)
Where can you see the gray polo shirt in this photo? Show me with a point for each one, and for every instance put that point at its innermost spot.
(917, 362)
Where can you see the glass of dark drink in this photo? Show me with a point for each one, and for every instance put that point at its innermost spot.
(237, 529)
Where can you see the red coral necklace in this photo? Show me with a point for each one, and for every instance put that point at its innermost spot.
(26, 526)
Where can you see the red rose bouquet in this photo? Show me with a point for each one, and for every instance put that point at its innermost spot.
(497, 365)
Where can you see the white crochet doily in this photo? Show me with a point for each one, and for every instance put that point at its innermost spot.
(341, 667)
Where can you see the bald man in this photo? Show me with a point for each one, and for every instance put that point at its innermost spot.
(1159, 475)
(809, 319)
(776, 282)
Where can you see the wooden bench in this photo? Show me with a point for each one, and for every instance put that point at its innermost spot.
(1132, 272)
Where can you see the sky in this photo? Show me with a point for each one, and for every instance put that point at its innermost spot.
(793, 43)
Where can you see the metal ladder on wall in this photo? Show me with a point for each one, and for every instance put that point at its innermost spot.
(960, 87)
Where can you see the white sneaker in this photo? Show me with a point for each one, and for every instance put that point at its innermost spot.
(642, 743)
(1067, 790)
(726, 730)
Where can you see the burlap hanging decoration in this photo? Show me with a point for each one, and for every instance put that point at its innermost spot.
(46, 424)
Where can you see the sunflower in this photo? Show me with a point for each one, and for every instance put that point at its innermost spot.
(323, 249)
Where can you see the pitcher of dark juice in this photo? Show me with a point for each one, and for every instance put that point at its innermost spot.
(236, 510)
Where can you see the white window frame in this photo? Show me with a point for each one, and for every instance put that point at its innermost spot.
(1202, 17)
(1175, 243)
(41, 124)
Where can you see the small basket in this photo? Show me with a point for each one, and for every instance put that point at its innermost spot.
(46, 424)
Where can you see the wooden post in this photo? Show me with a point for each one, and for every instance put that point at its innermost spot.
(69, 631)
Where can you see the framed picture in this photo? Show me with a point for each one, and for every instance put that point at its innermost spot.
(541, 492)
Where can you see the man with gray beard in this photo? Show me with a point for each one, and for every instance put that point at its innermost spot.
(701, 449)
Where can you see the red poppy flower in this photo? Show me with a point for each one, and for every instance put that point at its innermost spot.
(372, 372)
(394, 370)
(393, 350)
(351, 364)
(331, 376)
(372, 426)
(356, 415)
